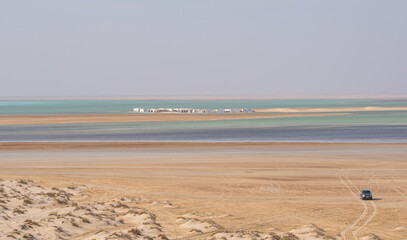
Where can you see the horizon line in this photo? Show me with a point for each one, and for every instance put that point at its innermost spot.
(203, 97)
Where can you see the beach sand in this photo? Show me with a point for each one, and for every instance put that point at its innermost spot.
(203, 190)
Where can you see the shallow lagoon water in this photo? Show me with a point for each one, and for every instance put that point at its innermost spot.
(357, 127)
(121, 106)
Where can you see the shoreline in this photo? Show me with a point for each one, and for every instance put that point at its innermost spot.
(44, 146)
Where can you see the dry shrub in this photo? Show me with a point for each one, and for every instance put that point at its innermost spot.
(29, 236)
(121, 236)
(289, 236)
(22, 181)
(19, 211)
(62, 201)
(74, 223)
(31, 222)
(163, 237)
(274, 236)
(51, 194)
(70, 214)
(135, 232)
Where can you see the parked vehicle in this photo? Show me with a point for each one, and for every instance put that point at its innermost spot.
(366, 194)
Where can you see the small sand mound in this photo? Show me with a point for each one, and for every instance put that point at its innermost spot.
(370, 236)
(166, 204)
(197, 225)
(310, 232)
(242, 235)
(400, 228)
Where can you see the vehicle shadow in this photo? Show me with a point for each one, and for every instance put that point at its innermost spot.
(374, 199)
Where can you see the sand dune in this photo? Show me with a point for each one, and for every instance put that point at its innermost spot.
(29, 211)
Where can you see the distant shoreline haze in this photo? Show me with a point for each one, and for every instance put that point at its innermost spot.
(397, 97)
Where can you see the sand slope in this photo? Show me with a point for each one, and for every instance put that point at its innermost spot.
(30, 211)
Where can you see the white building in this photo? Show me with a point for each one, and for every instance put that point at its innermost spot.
(185, 110)
(139, 110)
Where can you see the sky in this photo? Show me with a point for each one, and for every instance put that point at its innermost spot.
(126, 48)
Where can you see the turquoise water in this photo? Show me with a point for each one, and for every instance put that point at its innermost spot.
(381, 126)
(123, 106)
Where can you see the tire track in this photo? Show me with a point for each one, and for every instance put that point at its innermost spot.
(393, 184)
(397, 188)
(373, 182)
(223, 197)
(247, 225)
(373, 214)
(364, 177)
(341, 174)
(275, 188)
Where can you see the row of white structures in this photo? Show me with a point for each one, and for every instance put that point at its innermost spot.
(191, 110)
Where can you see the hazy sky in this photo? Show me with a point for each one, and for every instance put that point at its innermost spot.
(205, 48)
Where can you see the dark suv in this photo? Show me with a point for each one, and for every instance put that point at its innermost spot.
(366, 194)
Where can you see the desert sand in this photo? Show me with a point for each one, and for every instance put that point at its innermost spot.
(202, 191)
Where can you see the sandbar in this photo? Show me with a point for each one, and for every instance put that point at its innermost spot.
(330, 109)
(129, 117)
